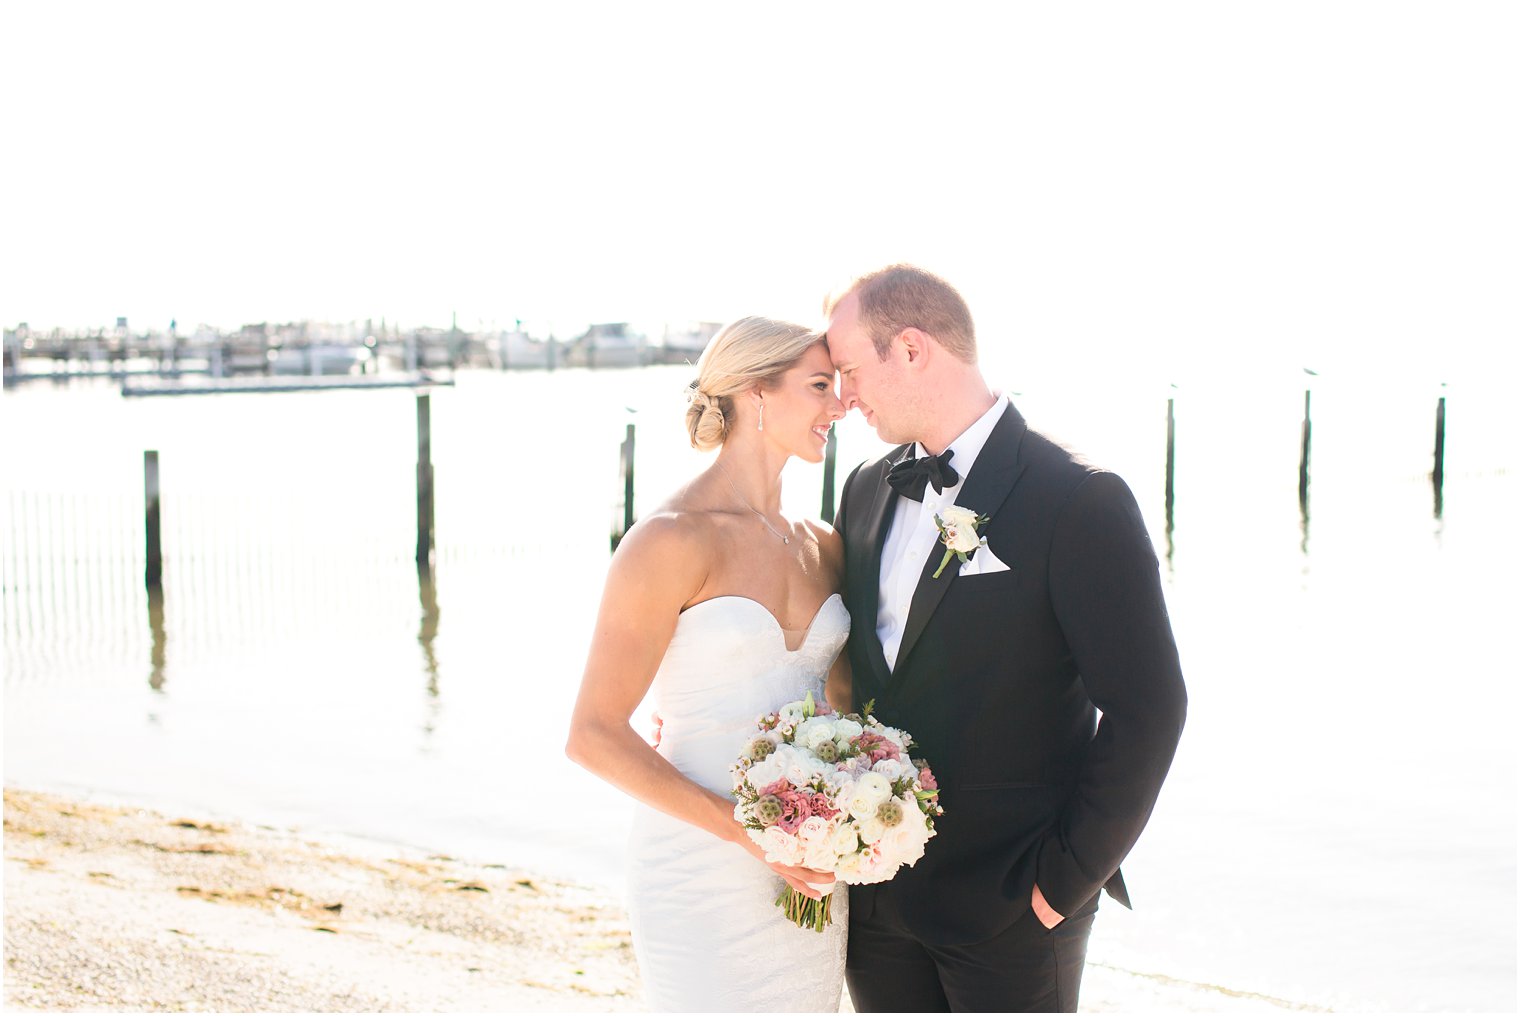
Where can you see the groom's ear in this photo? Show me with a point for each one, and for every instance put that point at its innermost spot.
(915, 344)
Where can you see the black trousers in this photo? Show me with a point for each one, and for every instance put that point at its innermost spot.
(1026, 968)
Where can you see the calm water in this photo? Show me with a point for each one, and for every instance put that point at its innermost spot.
(1339, 827)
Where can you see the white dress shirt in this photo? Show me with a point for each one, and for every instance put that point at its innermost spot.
(913, 536)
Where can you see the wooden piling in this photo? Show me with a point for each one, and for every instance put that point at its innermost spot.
(154, 573)
(1171, 455)
(621, 525)
(1171, 470)
(424, 481)
(1303, 459)
(1438, 473)
(830, 453)
(628, 481)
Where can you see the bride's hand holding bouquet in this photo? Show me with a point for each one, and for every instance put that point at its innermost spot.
(832, 793)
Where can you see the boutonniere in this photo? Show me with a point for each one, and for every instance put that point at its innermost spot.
(958, 532)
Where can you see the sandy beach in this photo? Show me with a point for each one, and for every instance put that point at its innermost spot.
(122, 908)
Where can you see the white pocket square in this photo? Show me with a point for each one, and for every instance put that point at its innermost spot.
(983, 562)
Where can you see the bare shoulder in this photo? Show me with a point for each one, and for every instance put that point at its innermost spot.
(830, 545)
(669, 551)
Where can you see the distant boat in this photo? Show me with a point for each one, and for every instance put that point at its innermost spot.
(317, 358)
(517, 350)
(685, 344)
(609, 345)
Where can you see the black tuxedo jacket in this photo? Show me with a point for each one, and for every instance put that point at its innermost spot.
(999, 680)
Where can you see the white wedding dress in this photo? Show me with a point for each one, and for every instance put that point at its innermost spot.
(706, 930)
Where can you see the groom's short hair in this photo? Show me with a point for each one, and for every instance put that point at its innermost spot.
(905, 296)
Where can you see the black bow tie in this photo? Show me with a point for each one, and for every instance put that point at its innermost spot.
(910, 476)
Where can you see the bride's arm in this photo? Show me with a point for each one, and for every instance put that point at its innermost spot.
(831, 556)
(659, 567)
(838, 690)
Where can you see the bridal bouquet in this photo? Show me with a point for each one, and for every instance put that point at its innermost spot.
(833, 793)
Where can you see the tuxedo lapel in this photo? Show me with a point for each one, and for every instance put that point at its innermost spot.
(867, 578)
(987, 486)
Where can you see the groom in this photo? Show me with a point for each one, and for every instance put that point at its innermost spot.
(999, 667)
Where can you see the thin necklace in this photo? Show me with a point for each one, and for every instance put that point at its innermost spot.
(782, 537)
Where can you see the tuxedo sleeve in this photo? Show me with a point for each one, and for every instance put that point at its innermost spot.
(1105, 589)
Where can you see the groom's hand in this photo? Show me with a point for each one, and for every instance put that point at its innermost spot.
(654, 738)
(1043, 911)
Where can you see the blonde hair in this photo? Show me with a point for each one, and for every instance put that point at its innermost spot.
(751, 351)
(906, 296)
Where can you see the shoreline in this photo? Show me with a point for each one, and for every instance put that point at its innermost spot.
(125, 908)
(116, 907)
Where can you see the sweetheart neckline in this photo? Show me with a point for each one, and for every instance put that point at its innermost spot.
(808, 632)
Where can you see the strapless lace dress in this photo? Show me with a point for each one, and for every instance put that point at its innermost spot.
(706, 932)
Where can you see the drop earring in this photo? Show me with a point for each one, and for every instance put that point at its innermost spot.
(760, 424)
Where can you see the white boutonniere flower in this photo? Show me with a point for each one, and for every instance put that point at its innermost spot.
(958, 532)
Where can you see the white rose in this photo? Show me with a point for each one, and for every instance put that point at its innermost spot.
(871, 829)
(889, 769)
(847, 868)
(896, 736)
(814, 732)
(960, 528)
(765, 772)
(861, 803)
(820, 856)
(813, 830)
(846, 840)
(801, 769)
(784, 755)
(913, 828)
(780, 846)
(868, 793)
(874, 784)
(845, 729)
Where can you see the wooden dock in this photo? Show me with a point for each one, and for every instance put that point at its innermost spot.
(292, 383)
(14, 377)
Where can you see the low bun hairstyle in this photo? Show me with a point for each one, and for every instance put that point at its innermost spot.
(751, 351)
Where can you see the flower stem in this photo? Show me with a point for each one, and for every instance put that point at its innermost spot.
(805, 912)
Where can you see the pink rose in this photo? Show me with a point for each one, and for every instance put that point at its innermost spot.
(819, 805)
(794, 810)
(875, 747)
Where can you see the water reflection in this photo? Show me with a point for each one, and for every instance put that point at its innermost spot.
(1303, 477)
(156, 654)
(1303, 519)
(427, 632)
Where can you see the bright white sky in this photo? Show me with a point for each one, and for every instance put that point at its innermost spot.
(1183, 184)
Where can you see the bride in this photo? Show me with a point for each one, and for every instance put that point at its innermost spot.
(729, 610)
